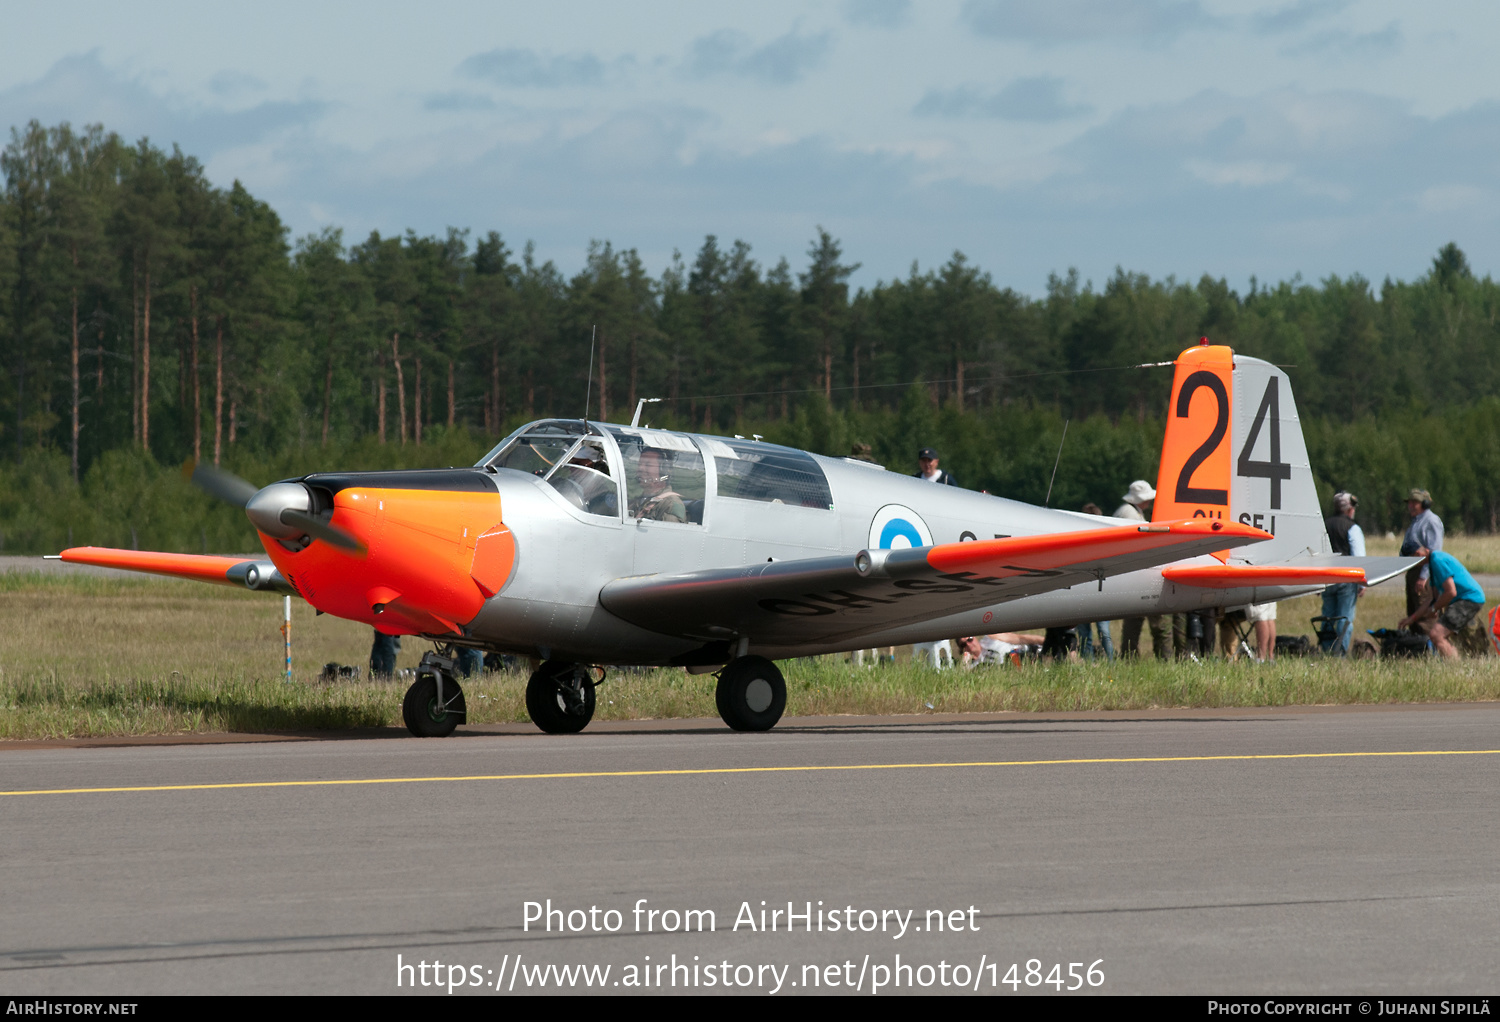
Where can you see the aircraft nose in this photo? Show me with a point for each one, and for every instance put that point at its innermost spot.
(265, 508)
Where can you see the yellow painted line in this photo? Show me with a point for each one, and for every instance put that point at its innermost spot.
(747, 770)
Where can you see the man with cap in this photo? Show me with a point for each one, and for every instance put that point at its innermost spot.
(1455, 601)
(1137, 507)
(927, 468)
(1425, 530)
(1339, 600)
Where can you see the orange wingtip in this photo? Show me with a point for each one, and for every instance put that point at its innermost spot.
(200, 567)
(1058, 549)
(1244, 576)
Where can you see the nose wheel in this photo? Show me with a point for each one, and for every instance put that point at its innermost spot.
(434, 705)
(560, 697)
(751, 694)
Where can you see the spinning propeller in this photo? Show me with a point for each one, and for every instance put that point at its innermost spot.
(282, 510)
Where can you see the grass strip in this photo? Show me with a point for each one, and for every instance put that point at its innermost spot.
(85, 656)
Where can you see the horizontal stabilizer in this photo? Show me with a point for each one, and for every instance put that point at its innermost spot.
(821, 602)
(1377, 569)
(1245, 576)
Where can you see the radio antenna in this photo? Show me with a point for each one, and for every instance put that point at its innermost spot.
(1055, 463)
(588, 392)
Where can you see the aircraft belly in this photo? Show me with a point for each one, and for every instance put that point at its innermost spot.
(569, 631)
(1064, 608)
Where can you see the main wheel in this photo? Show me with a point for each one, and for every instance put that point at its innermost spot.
(751, 694)
(427, 718)
(560, 697)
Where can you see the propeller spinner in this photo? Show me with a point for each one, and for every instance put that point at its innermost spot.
(281, 510)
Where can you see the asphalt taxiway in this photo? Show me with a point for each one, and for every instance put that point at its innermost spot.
(1249, 851)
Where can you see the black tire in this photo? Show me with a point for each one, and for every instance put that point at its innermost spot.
(751, 695)
(422, 714)
(560, 697)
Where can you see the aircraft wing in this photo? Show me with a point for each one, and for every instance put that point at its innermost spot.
(827, 599)
(230, 571)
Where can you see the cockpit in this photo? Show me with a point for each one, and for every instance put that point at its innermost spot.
(668, 476)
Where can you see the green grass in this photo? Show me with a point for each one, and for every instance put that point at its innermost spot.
(87, 656)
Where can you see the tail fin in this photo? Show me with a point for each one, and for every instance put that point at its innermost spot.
(1234, 450)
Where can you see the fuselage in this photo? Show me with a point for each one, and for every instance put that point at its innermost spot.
(511, 554)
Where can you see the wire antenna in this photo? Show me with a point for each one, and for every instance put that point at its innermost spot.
(588, 392)
(1057, 462)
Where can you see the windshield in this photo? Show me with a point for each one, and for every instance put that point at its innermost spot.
(584, 481)
(576, 466)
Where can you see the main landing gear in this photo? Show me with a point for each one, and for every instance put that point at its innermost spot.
(434, 705)
(560, 697)
(751, 694)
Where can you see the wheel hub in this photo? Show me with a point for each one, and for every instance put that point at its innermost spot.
(758, 695)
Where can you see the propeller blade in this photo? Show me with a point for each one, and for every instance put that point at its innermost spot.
(326, 531)
(215, 482)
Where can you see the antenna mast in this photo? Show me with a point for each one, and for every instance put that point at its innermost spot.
(588, 392)
(1055, 463)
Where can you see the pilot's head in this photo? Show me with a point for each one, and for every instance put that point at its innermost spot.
(651, 470)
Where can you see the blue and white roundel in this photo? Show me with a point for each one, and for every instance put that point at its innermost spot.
(897, 527)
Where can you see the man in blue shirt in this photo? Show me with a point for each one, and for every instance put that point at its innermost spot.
(1455, 599)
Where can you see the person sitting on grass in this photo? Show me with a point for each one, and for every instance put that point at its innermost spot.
(996, 648)
(1453, 601)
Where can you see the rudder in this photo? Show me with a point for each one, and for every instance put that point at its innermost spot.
(1234, 449)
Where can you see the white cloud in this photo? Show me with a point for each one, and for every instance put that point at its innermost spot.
(1245, 173)
(1025, 99)
(529, 69)
(81, 90)
(1061, 21)
(1454, 198)
(783, 61)
(458, 101)
(1363, 45)
(231, 84)
(877, 13)
(1295, 16)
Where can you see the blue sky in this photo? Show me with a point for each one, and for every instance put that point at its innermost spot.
(1162, 136)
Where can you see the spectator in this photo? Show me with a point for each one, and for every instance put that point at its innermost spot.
(1087, 645)
(468, 661)
(1425, 530)
(1456, 598)
(1192, 634)
(1339, 600)
(1229, 633)
(1060, 643)
(1137, 507)
(1086, 631)
(383, 656)
(996, 648)
(1263, 617)
(862, 452)
(927, 468)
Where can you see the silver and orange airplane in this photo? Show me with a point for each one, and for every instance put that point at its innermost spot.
(583, 543)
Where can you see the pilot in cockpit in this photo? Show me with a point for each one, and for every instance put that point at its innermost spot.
(655, 499)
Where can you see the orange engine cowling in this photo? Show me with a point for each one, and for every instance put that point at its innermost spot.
(434, 557)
